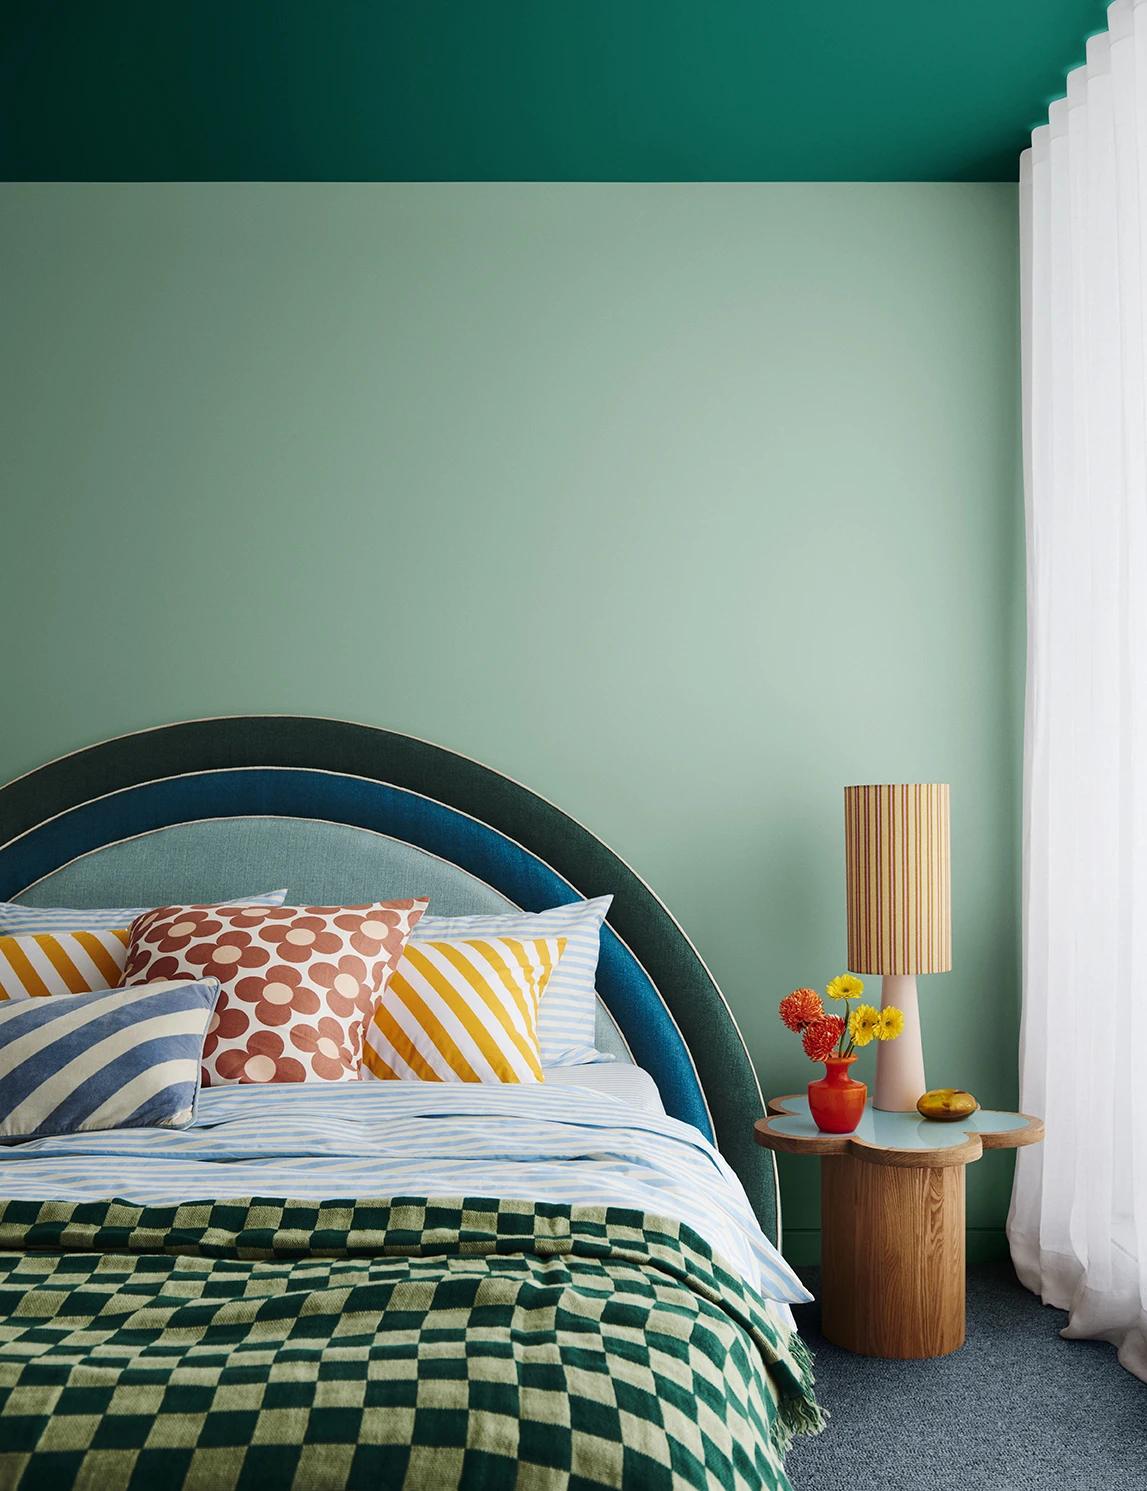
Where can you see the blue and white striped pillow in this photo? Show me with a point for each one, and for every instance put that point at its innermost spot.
(30, 921)
(568, 1006)
(119, 1058)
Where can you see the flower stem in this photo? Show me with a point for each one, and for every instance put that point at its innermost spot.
(846, 1033)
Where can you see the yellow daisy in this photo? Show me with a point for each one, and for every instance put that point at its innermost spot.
(845, 986)
(863, 1024)
(890, 1024)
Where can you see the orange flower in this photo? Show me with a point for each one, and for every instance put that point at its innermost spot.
(330, 1058)
(820, 1038)
(801, 1008)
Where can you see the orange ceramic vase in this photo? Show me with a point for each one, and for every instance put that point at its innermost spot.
(835, 1101)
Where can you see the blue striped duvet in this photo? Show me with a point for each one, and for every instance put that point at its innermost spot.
(411, 1138)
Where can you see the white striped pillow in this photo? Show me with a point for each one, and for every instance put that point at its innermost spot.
(18, 920)
(567, 1014)
(463, 1011)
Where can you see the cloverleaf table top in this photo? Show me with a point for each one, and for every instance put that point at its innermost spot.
(899, 1139)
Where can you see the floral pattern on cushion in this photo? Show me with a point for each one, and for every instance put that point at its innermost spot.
(226, 1027)
(347, 983)
(301, 938)
(278, 996)
(299, 983)
(369, 928)
(324, 1045)
(223, 955)
(259, 1059)
(179, 934)
(160, 970)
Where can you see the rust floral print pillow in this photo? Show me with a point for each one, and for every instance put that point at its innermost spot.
(298, 983)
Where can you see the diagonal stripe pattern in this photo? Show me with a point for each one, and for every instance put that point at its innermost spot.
(463, 1010)
(60, 950)
(567, 1014)
(105, 1059)
(62, 963)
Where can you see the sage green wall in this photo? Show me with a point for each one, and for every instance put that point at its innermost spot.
(683, 504)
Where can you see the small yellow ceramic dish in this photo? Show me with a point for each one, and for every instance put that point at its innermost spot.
(947, 1104)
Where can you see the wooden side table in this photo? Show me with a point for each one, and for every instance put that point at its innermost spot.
(892, 1220)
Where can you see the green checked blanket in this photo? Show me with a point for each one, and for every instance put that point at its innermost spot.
(409, 1343)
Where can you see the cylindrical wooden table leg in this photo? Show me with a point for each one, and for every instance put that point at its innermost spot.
(892, 1251)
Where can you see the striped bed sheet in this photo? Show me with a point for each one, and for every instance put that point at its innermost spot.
(536, 1142)
(620, 1080)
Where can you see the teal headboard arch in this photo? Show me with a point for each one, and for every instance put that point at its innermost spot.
(501, 834)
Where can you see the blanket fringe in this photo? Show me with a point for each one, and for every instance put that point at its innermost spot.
(798, 1413)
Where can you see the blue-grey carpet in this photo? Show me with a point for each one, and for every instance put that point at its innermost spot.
(1017, 1408)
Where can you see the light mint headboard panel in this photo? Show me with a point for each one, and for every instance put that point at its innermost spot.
(320, 863)
(218, 859)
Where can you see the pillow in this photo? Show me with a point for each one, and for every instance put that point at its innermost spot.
(78, 961)
(119, 1058)
(20, 921)
(567, 1013)
(61, 963)
(463, 1011)
(298, 982)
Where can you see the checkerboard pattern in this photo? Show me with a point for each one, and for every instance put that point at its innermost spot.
(413, 1343)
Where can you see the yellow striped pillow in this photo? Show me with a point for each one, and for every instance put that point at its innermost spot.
(462, 1011)
(62, 963)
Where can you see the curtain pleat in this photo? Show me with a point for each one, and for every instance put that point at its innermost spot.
(1078, 1221)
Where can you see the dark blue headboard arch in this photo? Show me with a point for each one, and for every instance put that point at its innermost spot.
(652, 980)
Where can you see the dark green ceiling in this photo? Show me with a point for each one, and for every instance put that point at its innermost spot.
(606, 90)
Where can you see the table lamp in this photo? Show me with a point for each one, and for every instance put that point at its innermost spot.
(897, 865)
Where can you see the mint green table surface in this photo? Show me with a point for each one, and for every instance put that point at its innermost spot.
(898, 1130)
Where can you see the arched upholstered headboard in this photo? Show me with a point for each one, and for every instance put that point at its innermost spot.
(220, 807)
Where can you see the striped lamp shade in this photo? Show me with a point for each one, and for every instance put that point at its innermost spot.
(899, 879)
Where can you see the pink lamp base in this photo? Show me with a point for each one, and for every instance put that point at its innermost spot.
(900, 1063)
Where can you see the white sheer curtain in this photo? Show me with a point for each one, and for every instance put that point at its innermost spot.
(1078, 1223)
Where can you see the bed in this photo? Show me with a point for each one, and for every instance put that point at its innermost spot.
(574, 1283)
